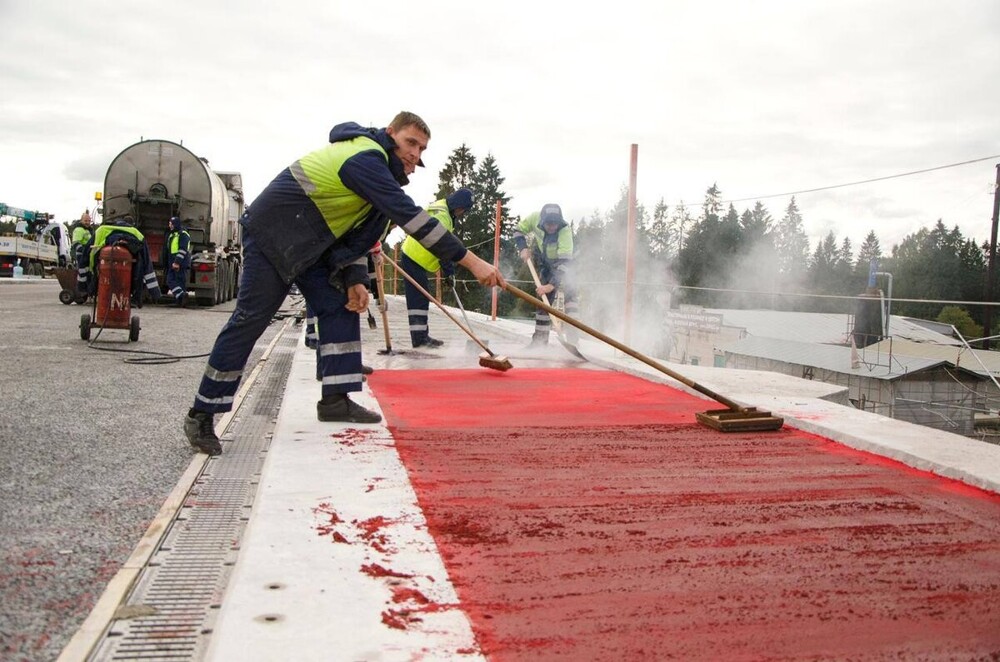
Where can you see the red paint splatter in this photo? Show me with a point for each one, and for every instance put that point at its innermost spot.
(352, 436)
(328, 528)
(376, 570)
(371, 533)
(406, 594)
(399, 619)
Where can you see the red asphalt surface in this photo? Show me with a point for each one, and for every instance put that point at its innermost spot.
(585, 515)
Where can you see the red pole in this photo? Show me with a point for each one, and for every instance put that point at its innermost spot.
(496, 258)
(630, 242)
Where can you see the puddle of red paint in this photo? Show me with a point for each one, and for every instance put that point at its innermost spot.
(583, 515)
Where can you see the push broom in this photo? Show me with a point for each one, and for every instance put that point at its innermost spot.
(489, 359)
(733, 419)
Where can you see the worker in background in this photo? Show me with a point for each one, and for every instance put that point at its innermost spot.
(176, 246)
(545, 238)
(289, 229)
(417, 261)
(122, 232)
(81, 240)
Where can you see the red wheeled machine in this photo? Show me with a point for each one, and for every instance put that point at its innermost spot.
(113, 304)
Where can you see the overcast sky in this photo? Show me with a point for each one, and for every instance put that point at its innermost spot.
(761, 98)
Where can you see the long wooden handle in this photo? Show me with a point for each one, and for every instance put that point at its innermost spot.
(383, 307)
(538, 284)
(444, 310)
(624, 348)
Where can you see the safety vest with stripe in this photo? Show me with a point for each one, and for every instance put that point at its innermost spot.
(318, 173)
(419, 254)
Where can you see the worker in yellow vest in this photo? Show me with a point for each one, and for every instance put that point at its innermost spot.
(418, 262)
(177, 251)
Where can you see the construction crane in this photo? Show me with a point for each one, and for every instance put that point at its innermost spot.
(37, 245)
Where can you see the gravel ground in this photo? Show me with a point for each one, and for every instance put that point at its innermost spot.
(90, 447)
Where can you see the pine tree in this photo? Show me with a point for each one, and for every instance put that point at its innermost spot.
(660, 238)
(870, 251)
(792, 246)
(679, 224)
(458, 171)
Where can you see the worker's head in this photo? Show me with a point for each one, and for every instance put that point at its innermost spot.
(85, 217)
(125, 221)
(459, 202)
(174, 223)
(411, 135)
(551, 218)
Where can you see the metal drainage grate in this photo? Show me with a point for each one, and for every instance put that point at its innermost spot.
(172, 608)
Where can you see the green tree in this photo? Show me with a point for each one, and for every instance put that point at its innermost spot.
(679, 224)
(846, 283)
(792, 246)
(661, 240)
(822, 272)
(703, 263)
(870, 251)
(961, 319)
(458, 171)
(935, 264)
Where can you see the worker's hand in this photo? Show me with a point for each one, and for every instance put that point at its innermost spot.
(175, 266)
(484, 272)
(525, 254)
(357, 298)
(449, 281)
(544, 289)
(378, 260)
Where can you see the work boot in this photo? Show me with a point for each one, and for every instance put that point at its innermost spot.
(199, 427)
(366, 369)
(433, 342)
(340, 408)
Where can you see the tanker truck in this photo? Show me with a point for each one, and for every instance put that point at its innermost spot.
(154, 180)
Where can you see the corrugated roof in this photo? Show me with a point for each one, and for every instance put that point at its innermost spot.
(830, 357)
(980, 361)
(826, 328)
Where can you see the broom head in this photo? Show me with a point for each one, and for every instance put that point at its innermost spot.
(495, 362)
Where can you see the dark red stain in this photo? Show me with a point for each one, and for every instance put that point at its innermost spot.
(352, 436)
(584, 515)
(329, 527)
(377, 570)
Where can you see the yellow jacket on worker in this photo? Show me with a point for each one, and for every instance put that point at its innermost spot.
(530, 231)
(419, 254)
(446, 211)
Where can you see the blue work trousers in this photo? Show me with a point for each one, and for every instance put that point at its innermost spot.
(176, 281)
(262, 291)
(417, 305)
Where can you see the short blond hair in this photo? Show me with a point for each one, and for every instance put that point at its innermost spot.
(405, 118)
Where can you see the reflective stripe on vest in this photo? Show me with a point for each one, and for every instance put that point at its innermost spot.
(419, 254)
(318, 173)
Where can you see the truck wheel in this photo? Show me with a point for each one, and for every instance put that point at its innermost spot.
(85, 327)
(133, 329)
(66, 297)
